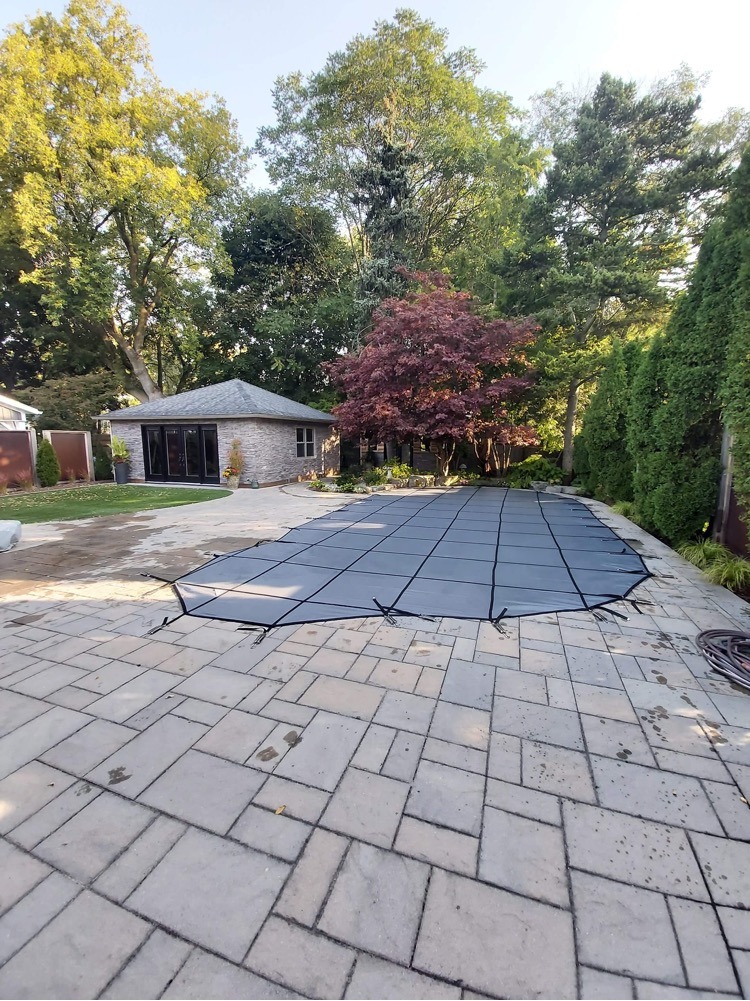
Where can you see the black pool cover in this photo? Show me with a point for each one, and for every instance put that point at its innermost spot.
(478, 553)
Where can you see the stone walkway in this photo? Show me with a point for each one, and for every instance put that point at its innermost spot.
(355, 809)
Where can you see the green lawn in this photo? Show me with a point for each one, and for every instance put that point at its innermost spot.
(104, 498)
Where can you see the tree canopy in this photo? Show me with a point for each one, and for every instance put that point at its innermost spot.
(115, 182)
(433, 367)
(399, 83)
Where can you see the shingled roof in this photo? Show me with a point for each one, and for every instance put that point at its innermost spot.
(231, 399)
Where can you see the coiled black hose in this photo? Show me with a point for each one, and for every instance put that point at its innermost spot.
(728, 653)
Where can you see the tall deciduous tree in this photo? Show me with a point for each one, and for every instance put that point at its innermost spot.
(115, 182)
(607, 231)
(399, 82)
(433, 367)
(285, 306)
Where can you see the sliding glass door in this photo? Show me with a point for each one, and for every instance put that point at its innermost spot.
(181, 453)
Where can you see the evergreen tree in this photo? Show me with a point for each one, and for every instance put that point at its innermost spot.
(604, 429)
(646, 400)
(385, 193)
(608, 226)
(47, 465)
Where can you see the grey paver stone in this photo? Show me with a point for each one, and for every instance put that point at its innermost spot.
(278, 666)
(126, 872)
(596, 985)
(649, 990)
(50, 680)
(91, 839)
(676, 701)
(504, 760)
(200, 712)
(272, 749)
(377, 978)
(395, 674)
(52, 964)
(598, 700)
(324, 752)
(690, 764)
(535, 722)
(351, 698)
(726, 868)
(430, 682)
(300, 801)
(544, 662)
(288, 712)
(28, 790)
(742, 962)
(403, 756)
(332, 662)
(614, 739)
(84, 750)
(151, 970)
(32, 739)
(18, 874)
(109, 677)
(707, 960)
(366, 806)
(676, 733)
(521, 685)
(236, 736)
(135, 766)
(523, 855)
(736, 925)
(447, 796)
(636, 851)
(468, 684)
(131, 698)
(376, 902)
(373, 750)
(732, 808)
(15, 710)
(308, 885)
(204, 790)
(405, 712)
(592, 667)
(456, 755)
(214, 684)
(557, 770)
(21, 923)
(465, 920)
(54, 814)
(275, 834)
(527, 802)
(461, 725)
(305, 961)
(206, 977)
(203, 883)
(654, 794)
(624, 928)
(438, 846)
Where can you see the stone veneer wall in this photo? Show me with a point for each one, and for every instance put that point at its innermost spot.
(269, 446)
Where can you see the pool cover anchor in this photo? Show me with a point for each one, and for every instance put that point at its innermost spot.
(498, 624)
(390, 611)
(262, 631)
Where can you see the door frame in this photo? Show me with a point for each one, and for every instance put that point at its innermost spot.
(181, 476)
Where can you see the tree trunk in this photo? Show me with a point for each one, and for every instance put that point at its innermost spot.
(571, 410)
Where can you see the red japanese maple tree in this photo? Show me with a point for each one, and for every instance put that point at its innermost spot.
(432, 367)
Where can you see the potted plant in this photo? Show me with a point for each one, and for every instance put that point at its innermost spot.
(236, 461)
(121, 459)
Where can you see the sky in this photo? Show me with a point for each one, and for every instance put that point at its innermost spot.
(237, 48)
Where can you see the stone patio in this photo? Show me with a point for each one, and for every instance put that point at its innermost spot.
(357, 809)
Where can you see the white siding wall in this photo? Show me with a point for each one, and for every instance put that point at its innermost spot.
(269, 446)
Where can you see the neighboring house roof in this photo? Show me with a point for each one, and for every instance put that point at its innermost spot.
(22, 408)
(234, 398)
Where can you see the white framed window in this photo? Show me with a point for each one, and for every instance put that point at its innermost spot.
(305, 442)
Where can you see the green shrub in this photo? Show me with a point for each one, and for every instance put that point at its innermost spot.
(702, 552)
(375, 477)
(536, 467)
(47, 466)
(102, 464)
(399, 470)
(627, 509)
(730, 571)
